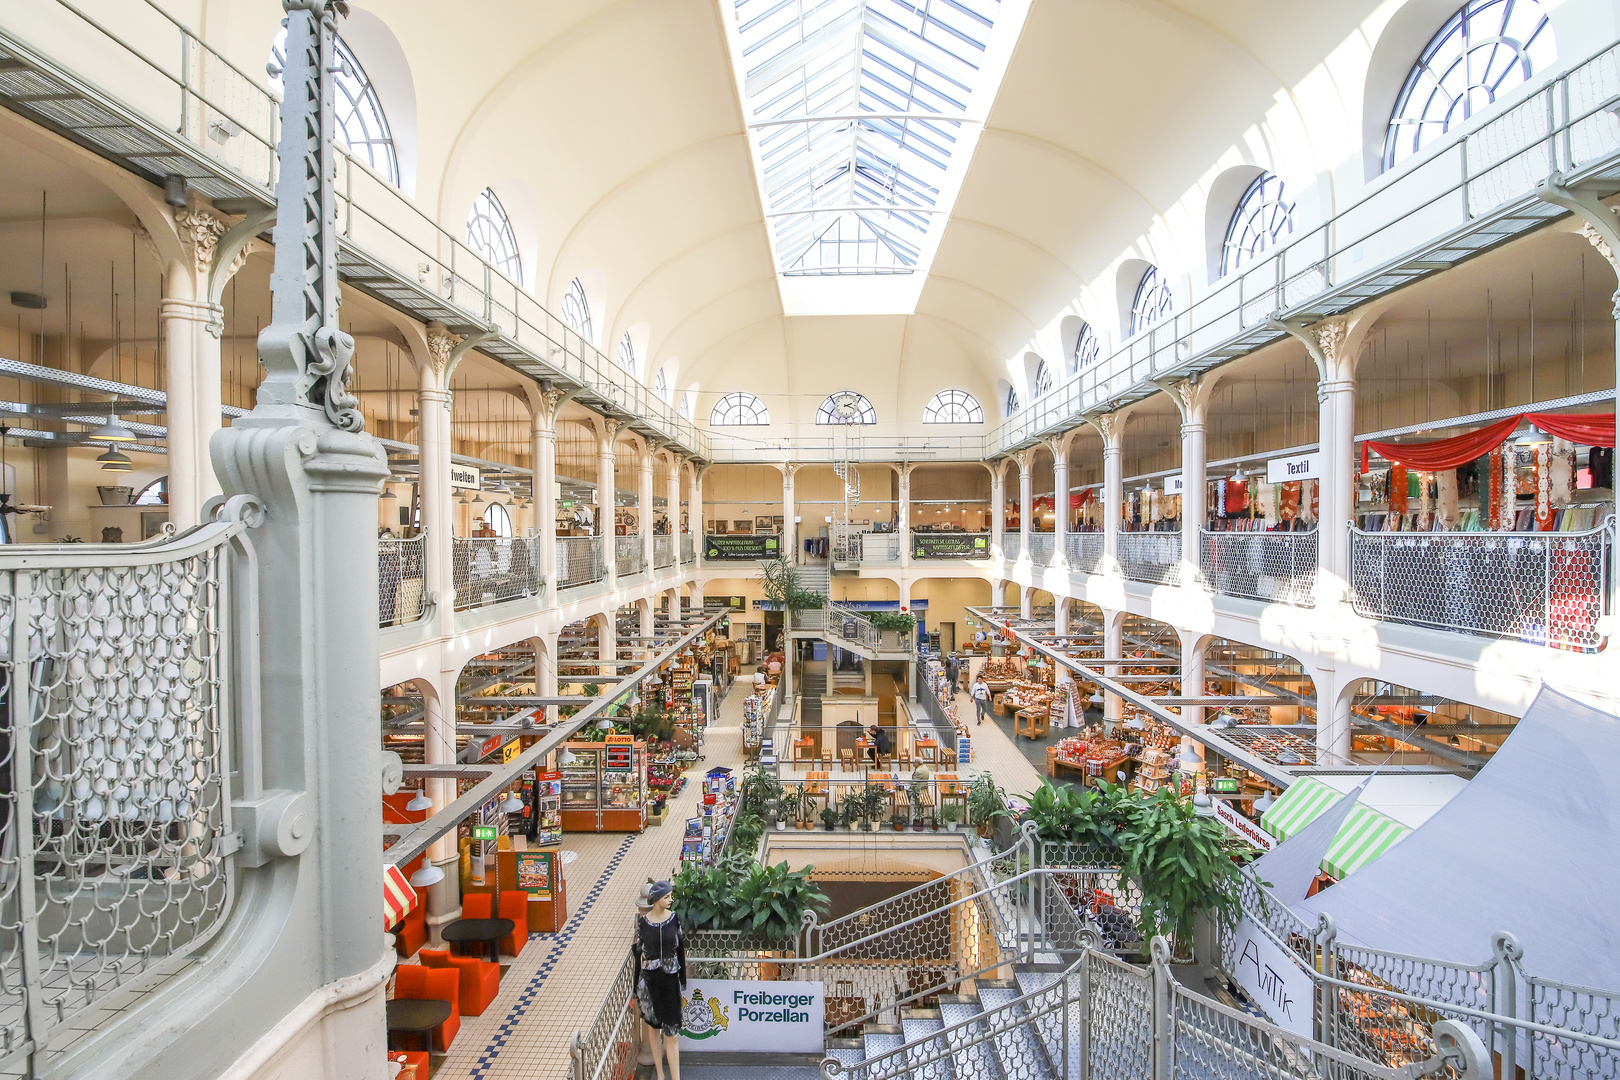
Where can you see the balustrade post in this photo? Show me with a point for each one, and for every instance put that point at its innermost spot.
(1163, 1024)
(1083, 1057)
(1026, 510)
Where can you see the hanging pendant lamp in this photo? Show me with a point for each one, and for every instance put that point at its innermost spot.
(113, 461)
(113, 431)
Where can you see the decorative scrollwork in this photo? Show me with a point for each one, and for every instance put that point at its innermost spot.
(329, 371)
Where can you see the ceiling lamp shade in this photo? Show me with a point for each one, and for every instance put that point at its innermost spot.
(113, 461)
(387, 493)
(1263, 803)
(1533, 437)
(112, 432)
(511, 804)
(478, 498)
(427, 875)
(419, 802)
(566, 758)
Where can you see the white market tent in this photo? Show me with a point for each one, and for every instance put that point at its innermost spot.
(1531, 845)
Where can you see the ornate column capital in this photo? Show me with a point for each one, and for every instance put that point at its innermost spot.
(1025, 458)
(1111, 426)
(544, 418)
(200, 231)
(441, 343)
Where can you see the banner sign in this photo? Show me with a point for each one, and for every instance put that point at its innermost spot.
(464, 476)
(749, 548)
(950, 545)
(1242, 826)
(1275, 980)
(1300, 467)
(1175, 485)
(725, 603)
(730, 1016)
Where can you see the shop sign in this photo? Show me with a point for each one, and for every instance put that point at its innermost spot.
(1175, 485)
(1242, 826)
(732, 1016)
(464, 476)
(510, 751)
(534, 873)
(479, 749)
(1274, 980)
(1298, 467)
(949, 546)
(741, 547)
(725, 603)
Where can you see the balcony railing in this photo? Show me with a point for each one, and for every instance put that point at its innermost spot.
(1153, 557)
(494, 570)
(579, 561)
(663, 551)
(1278, 567)
(879, 549)
(1041, 545)
(401, 580)
(1085, 551)
(628, 557)
(688, 549)
(1545, 588)
(1011, 541)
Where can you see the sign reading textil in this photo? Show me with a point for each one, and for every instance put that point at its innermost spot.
(725, 1015)
(1275, 981)
(950, 546)
(1236, 822)
(741, 547)
(1300, 467)
(465, 476)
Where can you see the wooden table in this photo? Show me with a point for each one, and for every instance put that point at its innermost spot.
(420, 1015)
(467, 931)
(928, 751)
(817, 786)
(804, 750)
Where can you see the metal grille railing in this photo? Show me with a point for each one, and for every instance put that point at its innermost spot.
(493, 570)
(663, 551)
(1041, 545)
(401, 580)
(579, 561)
(113, 661)
(1572, 1008)
(1273, 566)
(1085, 551)
(1544, 588)
(628, 558)
(1011, 542)
(688, 549)
(608, 1047)
(878, 547)
(1154, 557)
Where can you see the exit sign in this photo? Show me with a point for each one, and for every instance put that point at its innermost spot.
(483, 832)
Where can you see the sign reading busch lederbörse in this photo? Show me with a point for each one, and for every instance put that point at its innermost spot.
(950, 546)
(753, 1017)
(741, 547)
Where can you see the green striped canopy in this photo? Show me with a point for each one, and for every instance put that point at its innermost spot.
(1365, 834)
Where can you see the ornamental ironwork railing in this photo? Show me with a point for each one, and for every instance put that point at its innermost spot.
(401, 580)
(579, 561)
(1153, 557)
(1278, 567)
(115, 816)
(663, 551)
(1041, 545)
(628, 557)
(1547, 588)
(1085, 551)
(494, 570)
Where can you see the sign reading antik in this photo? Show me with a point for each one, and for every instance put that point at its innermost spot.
(1275, 981)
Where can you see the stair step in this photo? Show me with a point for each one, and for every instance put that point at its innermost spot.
(974, 1061)
(1049, 1027)
(1017, 1048)
(925, 1052)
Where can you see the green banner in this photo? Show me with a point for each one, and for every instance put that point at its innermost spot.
(725, 603)
(750, 548)
(950, 546)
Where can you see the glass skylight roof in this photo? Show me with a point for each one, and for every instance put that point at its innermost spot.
(862, 115)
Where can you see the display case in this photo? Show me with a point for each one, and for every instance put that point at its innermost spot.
(604, 789)
(548, 807)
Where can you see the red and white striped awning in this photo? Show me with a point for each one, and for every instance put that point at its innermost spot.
(398, 896)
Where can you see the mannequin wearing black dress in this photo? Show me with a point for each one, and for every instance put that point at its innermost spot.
(660, 964)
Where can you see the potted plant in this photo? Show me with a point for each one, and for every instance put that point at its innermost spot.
(746, 831)
(986, 804)
(770, 901)
(917, 789)
(899, 622)
(702, 897)
(1184, 866)
(829, 818)
(898, 820)
(951, 813)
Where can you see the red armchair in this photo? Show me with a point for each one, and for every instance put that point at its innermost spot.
(515, 906)
(411, 932)
(476, 905)
(414, 1061)
(416, 981)
(479, 980)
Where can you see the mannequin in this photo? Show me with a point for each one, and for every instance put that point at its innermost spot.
(660, 953)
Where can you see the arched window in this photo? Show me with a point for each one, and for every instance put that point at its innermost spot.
(846, 407)
(154, 494)
(1086, 349)
(661, 386)
(1262, 218)
(1012, 401)
(953, 407)
(1484, 50)
(497, 520)
(576, 312)
(489, 233)
(739, 410)
(1043, 379)
(627, 353)
(1152, 301)
(359, 119)
(686, 407)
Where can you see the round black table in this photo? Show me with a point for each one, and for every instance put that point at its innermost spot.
(420, 1015)
(464, 931)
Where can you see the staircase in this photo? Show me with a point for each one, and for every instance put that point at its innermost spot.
(816, 579)
(812, 685)
(852, 630)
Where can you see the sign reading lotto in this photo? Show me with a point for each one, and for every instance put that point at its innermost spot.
(721, 1015)
(741, 547)
(1275, 980)
(465, 476)
(950, 546)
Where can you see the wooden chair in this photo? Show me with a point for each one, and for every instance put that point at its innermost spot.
(885, 763)
(947, 757)
(902, 759)
(846, 758)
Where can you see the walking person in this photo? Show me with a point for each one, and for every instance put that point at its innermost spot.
(981, 697)
(953, 666)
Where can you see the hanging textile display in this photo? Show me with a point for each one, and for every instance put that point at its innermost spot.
(1544, 510)
(1491, 489)
(1561, 472)
(1588, 429)
(1510, 490)
(1314, 503)
(1447, 514)
(1220, 498)
(1399, 491)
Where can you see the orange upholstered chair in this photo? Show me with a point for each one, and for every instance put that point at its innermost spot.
(515, 906)
(410, 933)
(416, 981)
(411, 1059)
(479, 982)
(476, 905)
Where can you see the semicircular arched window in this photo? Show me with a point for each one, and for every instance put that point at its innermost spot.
(1482, 52)
(685, 408)
(1012, 403)
(1043, 380)
(627, 353)
(846, 407)
(1262, 218)
(1152, 302)
(576, 311)
(489, 232)
(497, 520)
(661, 386)
(1086, 349)
(739, 409)
(358, 117)
(953, 407)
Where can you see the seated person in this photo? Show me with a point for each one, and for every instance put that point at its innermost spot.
(880, 743)
(759, 679)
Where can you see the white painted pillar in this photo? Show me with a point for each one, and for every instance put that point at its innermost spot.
(1059, 445)
(1192, 674)
(1113, 490)
(605, 499)
(433, 404)
(543, 486)
(672, 500)
(698, 513)
(1026, 511)
(998, 508)
(188, 329)
(439, 748)
(903, 518)
(790, 530)
(1193, 400)
(644, 505)
(1113, 649)
(607, 644)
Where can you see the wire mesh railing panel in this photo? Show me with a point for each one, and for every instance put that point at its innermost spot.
(493, 570)
(663, 551)
(1040, 548)
(879, 547)
(401, 580)
(1085, 551)
(579, 561)
(1209, 1041)
(1575, 1009)
(1153, 557)
(628, 556)
(1011, 542)
(1276, 567)
(606, 1050)
(1119, 1019)
(688, 549)
(1542, 588)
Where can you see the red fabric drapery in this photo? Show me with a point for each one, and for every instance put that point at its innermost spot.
(1447, 453)
(1588, 429)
